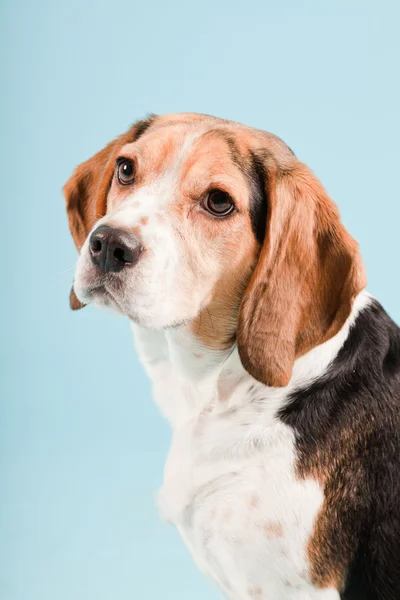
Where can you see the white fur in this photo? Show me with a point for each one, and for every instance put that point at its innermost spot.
(230, 485)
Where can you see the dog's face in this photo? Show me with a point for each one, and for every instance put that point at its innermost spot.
(188, 219)
(186, 195)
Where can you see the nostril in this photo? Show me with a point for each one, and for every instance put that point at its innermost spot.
(95, 245)
(119, 254)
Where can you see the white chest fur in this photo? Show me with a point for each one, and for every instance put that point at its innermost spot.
(242, 512)
(230, 485)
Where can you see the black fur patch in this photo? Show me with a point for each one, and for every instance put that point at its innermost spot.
(360, 395)
(140, 127)
(231, 142)
(258, 200)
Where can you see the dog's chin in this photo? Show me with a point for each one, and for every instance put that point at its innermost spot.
(99, 297)
(102, 297)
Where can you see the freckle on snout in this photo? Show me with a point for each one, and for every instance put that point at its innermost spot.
(255, 592)
(273, 529)
(255, 501)
(144, 220)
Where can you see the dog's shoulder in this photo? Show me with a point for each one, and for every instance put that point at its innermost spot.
(347, 426)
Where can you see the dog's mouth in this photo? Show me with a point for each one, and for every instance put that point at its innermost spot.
(106, 296)
(105, 292)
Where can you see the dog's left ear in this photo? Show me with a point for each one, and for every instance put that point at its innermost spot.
(86, 190)
(308, 273)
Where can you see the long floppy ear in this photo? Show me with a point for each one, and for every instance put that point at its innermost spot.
(86, 190)
(308, 273)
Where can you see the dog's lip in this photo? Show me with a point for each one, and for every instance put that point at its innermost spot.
(101, 285)
(89, 292)
(103, 291)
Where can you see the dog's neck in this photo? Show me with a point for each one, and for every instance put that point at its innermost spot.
(185, 373)
(189, 378)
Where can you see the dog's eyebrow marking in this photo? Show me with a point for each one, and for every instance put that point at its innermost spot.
(140, 127)
(234, 150)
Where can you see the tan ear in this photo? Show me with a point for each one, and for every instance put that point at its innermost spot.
(86, 190)
(308, 273)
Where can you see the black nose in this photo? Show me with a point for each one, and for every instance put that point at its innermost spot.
(113, 249)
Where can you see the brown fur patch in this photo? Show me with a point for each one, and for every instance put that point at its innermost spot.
(74, 303)
(330, 547)
(216, 325)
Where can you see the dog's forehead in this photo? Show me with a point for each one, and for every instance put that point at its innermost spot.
(193, 145)
(178, 135)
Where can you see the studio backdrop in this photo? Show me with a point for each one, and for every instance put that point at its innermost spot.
(82, 446)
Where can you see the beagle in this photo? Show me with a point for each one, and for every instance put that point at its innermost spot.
(278, 372)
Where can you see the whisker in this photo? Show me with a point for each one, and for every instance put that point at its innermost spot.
(66, 271)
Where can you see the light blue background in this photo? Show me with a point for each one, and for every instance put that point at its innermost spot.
(82, 446)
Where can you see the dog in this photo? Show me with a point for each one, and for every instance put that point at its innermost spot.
(278, 372)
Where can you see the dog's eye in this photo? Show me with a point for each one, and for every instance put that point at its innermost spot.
(125, 171)
(218, 203)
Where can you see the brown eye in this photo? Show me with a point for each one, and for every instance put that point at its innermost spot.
(125, 171)
(218, 203)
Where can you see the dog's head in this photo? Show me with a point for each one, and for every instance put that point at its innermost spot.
(192, 220)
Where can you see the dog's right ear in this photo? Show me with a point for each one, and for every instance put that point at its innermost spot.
(86, 190)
